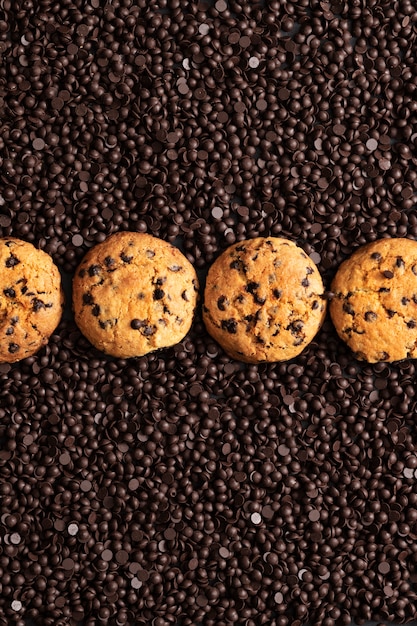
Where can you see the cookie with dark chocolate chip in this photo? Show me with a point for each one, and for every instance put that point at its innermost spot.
(31, 299)
(263, 300)
(374, 305)
(133, 294)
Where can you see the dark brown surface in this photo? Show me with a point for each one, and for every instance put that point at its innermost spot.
(183, 488)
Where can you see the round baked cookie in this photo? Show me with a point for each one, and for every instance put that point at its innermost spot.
(263, 300)
(31, 299)
(134, 293)
(374, 308)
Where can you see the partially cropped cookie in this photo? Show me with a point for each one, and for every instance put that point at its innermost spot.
(31, 299)
(263, 300)
(374, 309)
(134, 293)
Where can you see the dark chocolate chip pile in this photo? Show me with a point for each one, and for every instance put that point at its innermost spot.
(183, 488)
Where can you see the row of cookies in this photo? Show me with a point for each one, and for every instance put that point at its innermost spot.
(132, 294)
(264, 298)
(265, 301)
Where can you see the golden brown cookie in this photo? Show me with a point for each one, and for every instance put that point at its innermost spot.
(374, 308)
(31, 299)
(263, 300)
(134, 293)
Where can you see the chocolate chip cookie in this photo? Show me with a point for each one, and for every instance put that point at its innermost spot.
(134, 293)
(374, 308)
(31, 299)
(263, 300)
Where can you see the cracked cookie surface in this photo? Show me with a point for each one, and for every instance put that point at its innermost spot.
(31, 299)
(263, 300)
(374, 308)
(133, 294)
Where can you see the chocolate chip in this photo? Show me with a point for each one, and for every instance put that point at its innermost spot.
(9, 292)
(388, 274)
(229, 325)
(13, 348)
(94, 270)
(38, 143)
(136, 324)
(158, 294)
(348, 308)
(238, 264)
(222, 303)
(252, 287)
(77, 240)
(12, 261)
(296, 327)
(38, 304)
(314, 515)
(88, 298)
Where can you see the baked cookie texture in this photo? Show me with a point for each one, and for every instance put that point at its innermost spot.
(133, 294)
(374, 308)
(31, 299)
(263, 300)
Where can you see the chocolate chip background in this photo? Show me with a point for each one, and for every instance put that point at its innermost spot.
(183, 487)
